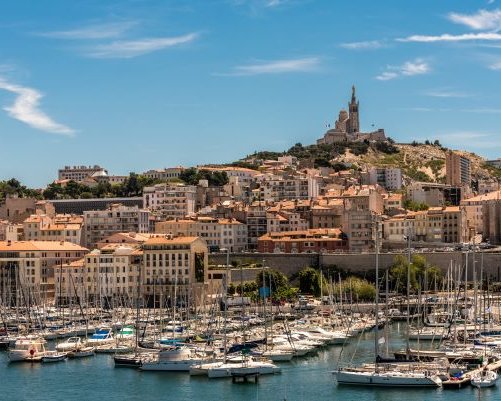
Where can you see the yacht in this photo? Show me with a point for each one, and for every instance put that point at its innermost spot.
(386, 378)
(102, 336)
(179, 358)
(28, 348)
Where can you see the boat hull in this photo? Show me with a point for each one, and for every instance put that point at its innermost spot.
(385, 379)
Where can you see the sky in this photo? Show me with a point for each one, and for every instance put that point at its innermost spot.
(134, 85)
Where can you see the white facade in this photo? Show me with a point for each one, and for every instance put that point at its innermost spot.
(172, 201)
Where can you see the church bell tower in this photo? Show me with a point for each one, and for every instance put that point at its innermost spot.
(353, 122)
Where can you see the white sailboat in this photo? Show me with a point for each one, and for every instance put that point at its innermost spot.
(485, 378)
(378, 375)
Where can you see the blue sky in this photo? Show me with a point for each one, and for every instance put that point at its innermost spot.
(139, 84)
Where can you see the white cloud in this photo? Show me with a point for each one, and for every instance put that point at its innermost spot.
(446, 93)
(495, 66)
(452, 38)
(416, 67)
(482, 20)
(274, 3)
(307, 64)
(134, 48)
(25, 109)
(387, 75)
(409, 68)
(365, 45)
(101, 31)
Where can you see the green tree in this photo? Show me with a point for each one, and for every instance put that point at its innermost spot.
(309, 281)
(278, 280)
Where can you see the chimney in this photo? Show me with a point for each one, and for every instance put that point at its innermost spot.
(9, 242)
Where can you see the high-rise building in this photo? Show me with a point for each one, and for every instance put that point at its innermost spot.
(457, 169)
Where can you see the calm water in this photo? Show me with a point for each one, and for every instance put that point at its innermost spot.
(308, 378)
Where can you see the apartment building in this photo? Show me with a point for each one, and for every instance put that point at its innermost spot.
(284, 188)
(307, 241)
(474, 209)
(164, 174)
(217, 233)
(109, 276)
(174, 268)
(435, 225)
(170, 201)
(327, 213)
(27, 268)
(100, 224)
(457, 169)
(61, 227)
(79, 173)
(389, 178)
(279, 220)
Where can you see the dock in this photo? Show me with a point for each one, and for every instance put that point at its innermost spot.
(466, 378)
(245, 377)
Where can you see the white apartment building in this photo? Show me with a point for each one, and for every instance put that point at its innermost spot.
(171, 201)
(217, 233)
(389, 178)
(79, 173)
(278, 189)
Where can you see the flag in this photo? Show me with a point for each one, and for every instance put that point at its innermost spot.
(381, 340)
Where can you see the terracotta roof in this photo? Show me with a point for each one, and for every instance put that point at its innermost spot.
(16, 246)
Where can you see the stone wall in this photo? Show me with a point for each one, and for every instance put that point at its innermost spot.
(290, 264)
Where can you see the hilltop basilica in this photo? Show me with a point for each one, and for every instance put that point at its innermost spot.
(347, 127)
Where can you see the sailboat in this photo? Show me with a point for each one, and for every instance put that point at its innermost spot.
(379, 374)
(484, 378)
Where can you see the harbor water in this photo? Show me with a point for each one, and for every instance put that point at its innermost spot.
(306, 378)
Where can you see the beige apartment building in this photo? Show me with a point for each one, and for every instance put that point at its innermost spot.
(106, 277)
(61, 227)
(27, 268)
(474, 209)
(435, 225)
(100, 224)
(174, 268)
(79, 173)
(218, 233)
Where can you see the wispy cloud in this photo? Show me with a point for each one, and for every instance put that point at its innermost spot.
(307, 64)
(274, 3)
(99, 31)
(364, 45)
(409, 68)
(26, 109)
(481, 20)
(134, 48)
(495, 66)
(446, 93)
(489, 36)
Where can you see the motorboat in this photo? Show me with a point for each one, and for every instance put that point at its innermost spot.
(71, 344)
(28, 348)
(179, 358)
(54, 356)
(102, 336)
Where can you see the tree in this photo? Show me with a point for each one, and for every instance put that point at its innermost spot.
(278, 280)
(418, 270)
(309, 281)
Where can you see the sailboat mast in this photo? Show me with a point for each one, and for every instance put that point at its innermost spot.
(376, 334)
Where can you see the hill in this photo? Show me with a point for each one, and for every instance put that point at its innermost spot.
(418, 161)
